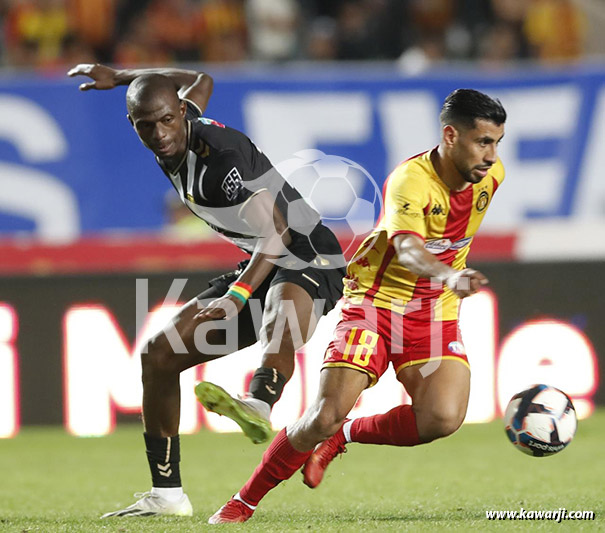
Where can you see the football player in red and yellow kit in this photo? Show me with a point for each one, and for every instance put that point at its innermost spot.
(401, 301)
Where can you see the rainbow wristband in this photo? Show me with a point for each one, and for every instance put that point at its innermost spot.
(242, 291)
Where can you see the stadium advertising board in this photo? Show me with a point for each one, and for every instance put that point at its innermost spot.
(68, 355)
(70, 164)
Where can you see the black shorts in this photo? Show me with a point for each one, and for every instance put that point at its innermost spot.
(320, 284)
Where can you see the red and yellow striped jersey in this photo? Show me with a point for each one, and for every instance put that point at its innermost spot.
(417, 201)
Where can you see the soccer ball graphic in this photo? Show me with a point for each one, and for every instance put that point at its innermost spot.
(540, 421)
(341, 192)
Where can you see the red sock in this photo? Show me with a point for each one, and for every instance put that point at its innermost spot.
(397, 428)
(279, 463)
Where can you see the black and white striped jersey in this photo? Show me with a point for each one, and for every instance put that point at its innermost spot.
(222, 169)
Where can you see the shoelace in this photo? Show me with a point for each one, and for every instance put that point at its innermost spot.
(327, 454)
(234, 508)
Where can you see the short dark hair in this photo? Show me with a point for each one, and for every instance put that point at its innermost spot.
(463, 106)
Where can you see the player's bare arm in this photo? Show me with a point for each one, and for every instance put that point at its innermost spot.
(412, 255)
(265, 219)
(195, 86)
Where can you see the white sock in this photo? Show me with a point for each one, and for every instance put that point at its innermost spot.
(263, 408)
(346, 429)
(171, 494)
(239, 499)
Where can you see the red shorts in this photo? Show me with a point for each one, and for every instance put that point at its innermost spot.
(367, 338)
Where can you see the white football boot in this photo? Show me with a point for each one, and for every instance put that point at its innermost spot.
(254, 423)
(152, 505)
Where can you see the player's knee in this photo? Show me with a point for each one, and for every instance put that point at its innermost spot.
(442, 421)
(155, 358)
(327, 421)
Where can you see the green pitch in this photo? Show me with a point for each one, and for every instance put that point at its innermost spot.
(55, 483)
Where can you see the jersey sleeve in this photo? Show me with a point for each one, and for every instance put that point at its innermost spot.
(193, 111)
(231, 182)
(406, 197)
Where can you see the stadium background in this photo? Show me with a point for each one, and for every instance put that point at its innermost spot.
(84, 210)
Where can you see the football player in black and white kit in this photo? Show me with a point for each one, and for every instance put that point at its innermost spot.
(294, 273)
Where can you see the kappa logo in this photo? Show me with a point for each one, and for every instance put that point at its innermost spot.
(232, 183)
(482, 201)
(437, 210)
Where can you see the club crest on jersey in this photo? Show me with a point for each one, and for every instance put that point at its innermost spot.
(482, 201)
(232, 183)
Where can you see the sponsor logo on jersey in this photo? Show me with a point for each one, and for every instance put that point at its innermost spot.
(406, 209)
(482, 201)
(210, 122)
(461, 243)
(456, 347)
(438, 246)
(232, 183)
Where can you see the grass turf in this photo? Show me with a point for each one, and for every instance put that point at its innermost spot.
(52, 482)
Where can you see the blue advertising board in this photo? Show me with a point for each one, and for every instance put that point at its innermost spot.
(71, 165)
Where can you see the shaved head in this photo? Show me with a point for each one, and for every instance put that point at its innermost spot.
(158, 116)
(146, 89)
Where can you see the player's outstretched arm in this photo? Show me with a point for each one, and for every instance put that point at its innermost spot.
(195, 86)
(412, 255)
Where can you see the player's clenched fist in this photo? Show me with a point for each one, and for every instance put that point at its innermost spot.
(466, 282)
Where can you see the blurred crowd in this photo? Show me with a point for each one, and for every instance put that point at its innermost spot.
(49, 34)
